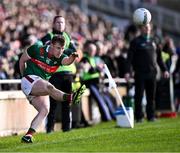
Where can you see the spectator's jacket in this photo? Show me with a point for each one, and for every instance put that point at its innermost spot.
(144, 55)
(93, 73)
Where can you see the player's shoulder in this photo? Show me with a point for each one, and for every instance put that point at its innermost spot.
(135, 40)
(35, 47)
(157, 39)
(32, 47)
(138, 40)
(66, 35)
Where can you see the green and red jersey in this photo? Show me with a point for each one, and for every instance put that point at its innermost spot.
(42, 63)
(68, 49)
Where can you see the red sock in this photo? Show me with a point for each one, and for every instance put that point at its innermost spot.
(31, 131)
(68, 97)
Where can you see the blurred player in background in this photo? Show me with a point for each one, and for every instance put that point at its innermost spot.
(144, 55)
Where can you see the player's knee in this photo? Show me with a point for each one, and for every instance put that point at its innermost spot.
(50, 87)
(45, 111)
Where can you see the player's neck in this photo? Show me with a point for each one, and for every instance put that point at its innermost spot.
(56, 31)
(147, 36)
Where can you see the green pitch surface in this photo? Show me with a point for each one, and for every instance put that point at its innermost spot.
(160, 136)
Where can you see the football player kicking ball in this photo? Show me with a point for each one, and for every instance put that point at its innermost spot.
(36, 66)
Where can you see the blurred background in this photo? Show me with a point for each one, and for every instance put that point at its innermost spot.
(22, 23)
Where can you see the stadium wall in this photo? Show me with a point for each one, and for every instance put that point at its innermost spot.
(16, 113)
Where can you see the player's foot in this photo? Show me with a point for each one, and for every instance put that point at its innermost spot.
(77, 95)
(27, 139)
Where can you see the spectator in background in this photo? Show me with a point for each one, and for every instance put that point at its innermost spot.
(90, 75)
(41, 62)
(151, 2)
(120, 58)
(3, 72)
(177, 84)
(107, 96)
(108, 57)
(170, 50)
(131, 32)
(144, 55)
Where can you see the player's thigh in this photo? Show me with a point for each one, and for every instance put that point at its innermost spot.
(40, 88)
(41, 103)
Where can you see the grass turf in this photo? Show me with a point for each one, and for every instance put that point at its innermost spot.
(160, 136)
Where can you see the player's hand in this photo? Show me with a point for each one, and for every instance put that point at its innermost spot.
(75, 54)
(166, 74)
(100, 66)
(127, 77)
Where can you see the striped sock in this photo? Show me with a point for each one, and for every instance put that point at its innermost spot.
(31, 131)
(67, 97)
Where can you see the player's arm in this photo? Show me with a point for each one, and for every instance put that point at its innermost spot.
(129, 59)
(22, 62)
(162, 64)
(70, 59)
(30, 52)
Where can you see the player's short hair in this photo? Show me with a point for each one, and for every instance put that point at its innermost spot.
(58, 39)
(57, 16)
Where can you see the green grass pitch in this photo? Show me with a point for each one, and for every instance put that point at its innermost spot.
(160, 136)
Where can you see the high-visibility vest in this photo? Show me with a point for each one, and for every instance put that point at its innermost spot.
(165, 56)
(88, 76)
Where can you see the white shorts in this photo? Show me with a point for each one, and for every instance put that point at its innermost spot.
(27, 83)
